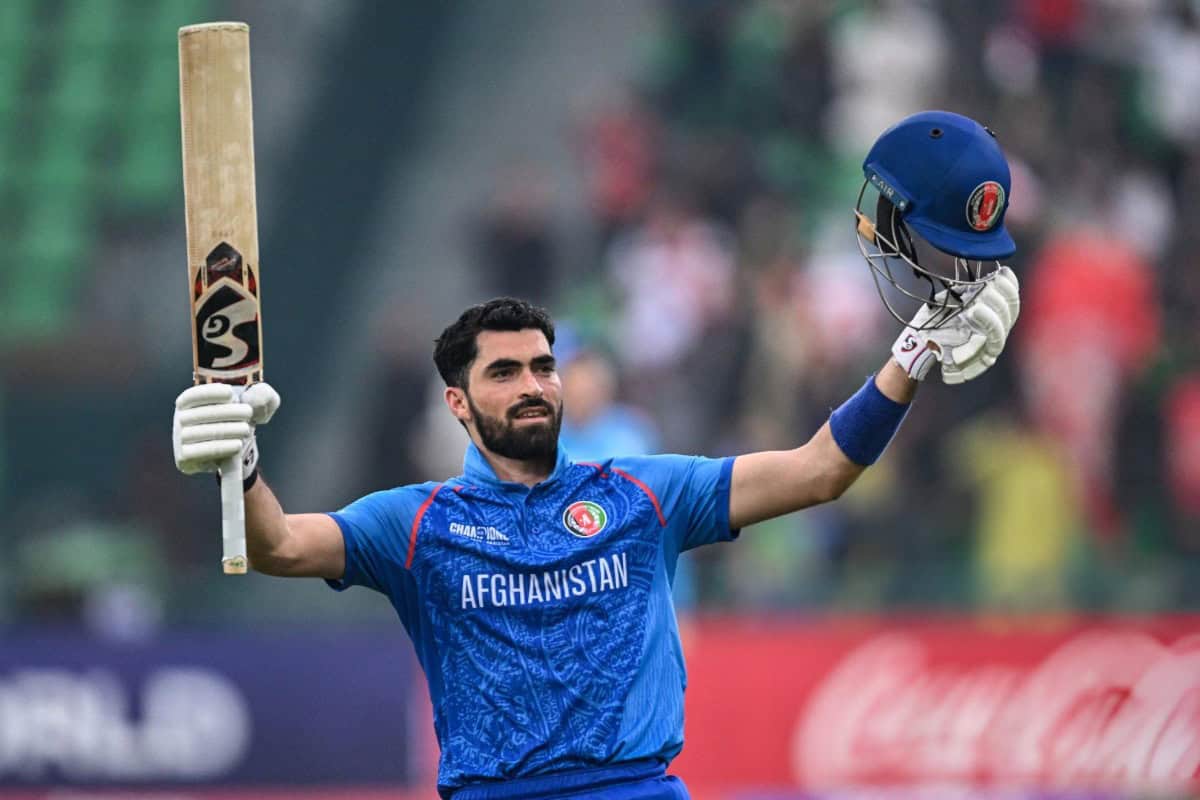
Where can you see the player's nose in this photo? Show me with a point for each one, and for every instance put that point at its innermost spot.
(530, 385)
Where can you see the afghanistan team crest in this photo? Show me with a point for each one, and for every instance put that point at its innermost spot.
(585, 519)
(984, 205)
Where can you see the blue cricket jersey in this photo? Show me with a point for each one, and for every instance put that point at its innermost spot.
(542, 616)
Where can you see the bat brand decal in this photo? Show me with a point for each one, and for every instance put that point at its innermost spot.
(226, 313)
(227, 328)
(223, 262)
(984, 205)
(585, 519)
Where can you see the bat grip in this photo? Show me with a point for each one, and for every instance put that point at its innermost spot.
(233, 517)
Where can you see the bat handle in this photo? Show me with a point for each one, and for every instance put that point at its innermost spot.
(233, 517)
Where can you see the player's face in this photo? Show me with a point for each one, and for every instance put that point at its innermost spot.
(514, 395)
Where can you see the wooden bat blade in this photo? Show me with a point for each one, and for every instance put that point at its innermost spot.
(222, 218)
(222, 231)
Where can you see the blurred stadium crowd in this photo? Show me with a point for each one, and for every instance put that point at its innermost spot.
(724, 290)
(720, 306)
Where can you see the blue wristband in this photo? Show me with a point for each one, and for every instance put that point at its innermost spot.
(863, 425)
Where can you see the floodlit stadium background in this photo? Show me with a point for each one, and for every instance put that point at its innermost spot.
(1002, 607)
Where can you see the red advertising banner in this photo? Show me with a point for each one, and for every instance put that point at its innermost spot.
(1108, 705)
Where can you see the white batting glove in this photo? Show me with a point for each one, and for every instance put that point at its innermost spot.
(214, 421)
(970, 342)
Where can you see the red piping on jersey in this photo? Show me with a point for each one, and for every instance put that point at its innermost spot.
(657, 508)
(416, 526)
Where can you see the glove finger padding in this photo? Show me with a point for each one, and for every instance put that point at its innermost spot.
(984, 320)
(994, 299)
(961, 354)
(951, 374)
(961, 373)
(263, 400)
(191, 434)
(203, 456)
(205, 394)
(223, 412)
(1005, 282)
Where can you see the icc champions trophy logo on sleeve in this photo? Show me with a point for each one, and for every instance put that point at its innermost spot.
(227, 314)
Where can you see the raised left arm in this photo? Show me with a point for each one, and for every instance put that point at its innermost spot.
(772, 483)
(776, 482)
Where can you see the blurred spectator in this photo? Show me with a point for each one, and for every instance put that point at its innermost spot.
(516, 251)
(1028, 515)
(1090, 326)
(675, 275)
(595, 426)
(84, 571)
(1182, 420)
(1170, 50)
(889, 61)
(397, 400)
(619, 159)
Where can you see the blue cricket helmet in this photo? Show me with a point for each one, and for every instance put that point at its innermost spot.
(944, 177)
(949, 180)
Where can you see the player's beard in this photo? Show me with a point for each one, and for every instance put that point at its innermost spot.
(529, 442)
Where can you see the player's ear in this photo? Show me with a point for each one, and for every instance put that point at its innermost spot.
(456, 400)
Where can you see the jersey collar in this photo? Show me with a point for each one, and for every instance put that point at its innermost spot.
(478, 470)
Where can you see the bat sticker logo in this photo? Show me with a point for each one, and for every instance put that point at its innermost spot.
(226, 313)
(224, 261)
(227, 329)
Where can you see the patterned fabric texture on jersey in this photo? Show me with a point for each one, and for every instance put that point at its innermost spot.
(542, 617)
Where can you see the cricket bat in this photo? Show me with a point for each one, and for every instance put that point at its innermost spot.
(222, 232)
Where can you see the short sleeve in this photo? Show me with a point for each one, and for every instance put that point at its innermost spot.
(693, 492)
(376, 530)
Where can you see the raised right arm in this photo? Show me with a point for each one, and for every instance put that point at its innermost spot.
(291, 545)
(213, 422)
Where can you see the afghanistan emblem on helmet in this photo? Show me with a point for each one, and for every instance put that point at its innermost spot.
(984, 205)
(932, 227)
(585, 519)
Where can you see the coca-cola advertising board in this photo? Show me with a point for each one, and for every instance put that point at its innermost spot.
(1107, 706)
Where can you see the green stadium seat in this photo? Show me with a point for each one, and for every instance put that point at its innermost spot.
(35, 310)
(80, 92)
(151, 170)
(110, 76)
(50, 249)
(17, 24)
(171, 15)
(85, 26)
(64, 162)
(13, 69)
(57, 230)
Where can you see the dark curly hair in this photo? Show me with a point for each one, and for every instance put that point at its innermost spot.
(456, 348)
